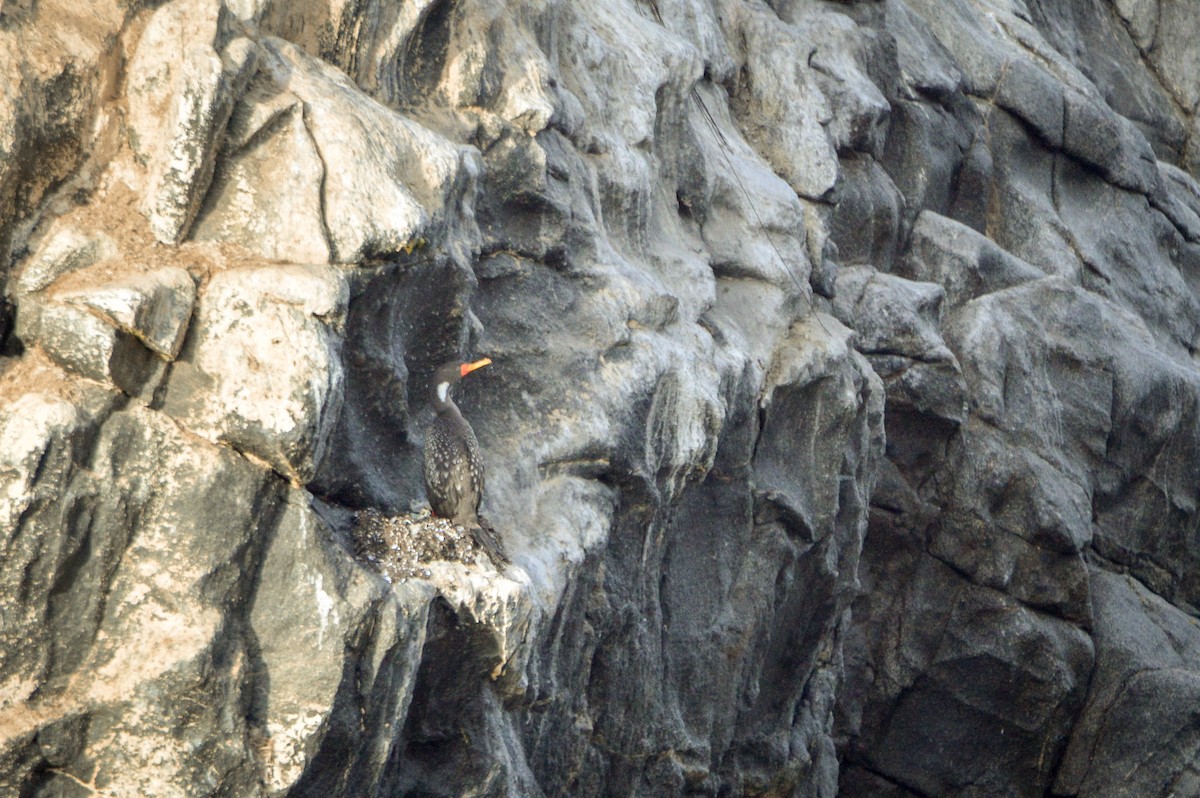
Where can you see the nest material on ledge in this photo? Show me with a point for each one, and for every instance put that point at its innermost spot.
(400, 546)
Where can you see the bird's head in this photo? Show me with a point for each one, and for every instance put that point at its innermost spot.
(451, 373)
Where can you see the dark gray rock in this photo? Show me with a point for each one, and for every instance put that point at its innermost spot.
(856, 780)
(924, 63)
(867, 217)
(964, 262)
(1018, 499)
(401, 324)
(967, 34)
(1013, 522)
(846, 60)
(925, 149)
(1022, 213)
(1177, 200)
(1160, 33)
(897, 323)
(1108, 50)
(1137, 735)
(1033, 381)
(977, 665)
(1108, 142)
(1142, 265)
(1033, 95)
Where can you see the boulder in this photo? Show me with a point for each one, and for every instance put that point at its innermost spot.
(184, 79)
(400, 186)
(260, 370)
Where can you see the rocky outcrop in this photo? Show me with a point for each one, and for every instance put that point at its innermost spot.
(843, 421)
(1061, 309)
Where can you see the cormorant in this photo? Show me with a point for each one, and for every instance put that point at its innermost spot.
(453, 466)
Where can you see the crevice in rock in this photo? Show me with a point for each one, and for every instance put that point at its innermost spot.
(334, 255)
(440, 750)
(424, 53)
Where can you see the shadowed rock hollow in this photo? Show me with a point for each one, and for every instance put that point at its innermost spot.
(843, 424)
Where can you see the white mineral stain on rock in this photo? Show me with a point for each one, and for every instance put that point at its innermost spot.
(326, 608)
(289, 737)
(29, 426)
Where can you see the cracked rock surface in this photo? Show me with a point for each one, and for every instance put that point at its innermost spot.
(843, 421)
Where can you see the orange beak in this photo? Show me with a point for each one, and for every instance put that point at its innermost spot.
(467, 368)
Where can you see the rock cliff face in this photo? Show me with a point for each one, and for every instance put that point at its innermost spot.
(843, 424)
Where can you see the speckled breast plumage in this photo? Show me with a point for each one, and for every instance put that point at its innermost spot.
(453, 469)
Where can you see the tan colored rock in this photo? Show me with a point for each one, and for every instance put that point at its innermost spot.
(313, 603)
(146, 581)
(316, 171)
(261, 372)
(65, 249)
(85, 343)
(57, 58)
(267, 196)
(45, 420)
(119, 330)
(180, 94)
(387, 177)
(153, 307)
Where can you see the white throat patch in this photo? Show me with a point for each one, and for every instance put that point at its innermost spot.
(443, 390)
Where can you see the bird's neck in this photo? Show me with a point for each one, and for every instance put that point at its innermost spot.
(442, 401)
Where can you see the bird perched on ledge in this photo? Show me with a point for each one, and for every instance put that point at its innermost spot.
(453, 466)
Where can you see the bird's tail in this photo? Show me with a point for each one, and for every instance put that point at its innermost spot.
(486, 538)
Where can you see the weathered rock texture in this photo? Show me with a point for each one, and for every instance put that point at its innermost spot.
(843, 423)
